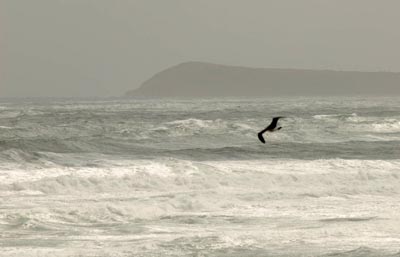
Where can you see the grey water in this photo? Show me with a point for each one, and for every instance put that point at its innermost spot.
(184, 177)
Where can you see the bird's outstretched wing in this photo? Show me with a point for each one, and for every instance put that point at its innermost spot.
(273, 123)
(260, 136)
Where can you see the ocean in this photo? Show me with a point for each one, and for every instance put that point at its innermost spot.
(182, 177)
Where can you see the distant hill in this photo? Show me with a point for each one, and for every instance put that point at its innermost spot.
(197, 79)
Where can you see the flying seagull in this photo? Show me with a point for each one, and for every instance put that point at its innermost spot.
(270, 128)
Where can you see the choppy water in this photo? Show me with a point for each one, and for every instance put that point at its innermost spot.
(190, 178)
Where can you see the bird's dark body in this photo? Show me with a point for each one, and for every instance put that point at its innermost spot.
(271, 128)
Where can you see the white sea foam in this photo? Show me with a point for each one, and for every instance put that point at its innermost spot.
(168, 201)
(327, 116)
(387, 127)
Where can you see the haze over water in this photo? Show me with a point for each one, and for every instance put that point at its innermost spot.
(190, 178)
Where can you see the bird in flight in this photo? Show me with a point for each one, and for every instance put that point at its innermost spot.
(271, 128)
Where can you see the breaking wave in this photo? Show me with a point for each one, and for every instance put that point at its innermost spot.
(291, 177)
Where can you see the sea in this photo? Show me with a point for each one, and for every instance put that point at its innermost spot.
(189, 177)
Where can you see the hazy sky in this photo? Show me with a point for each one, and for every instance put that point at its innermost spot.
(106, 47)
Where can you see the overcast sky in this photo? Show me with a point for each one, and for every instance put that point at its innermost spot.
(107, 47)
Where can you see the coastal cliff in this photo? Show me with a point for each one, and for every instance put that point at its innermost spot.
(198, 79)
